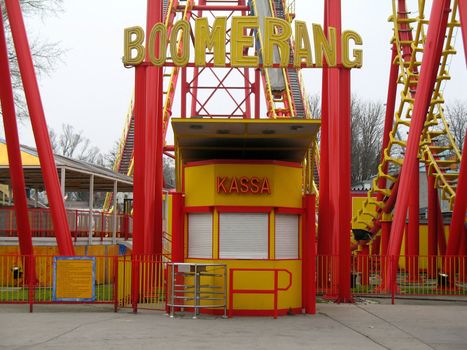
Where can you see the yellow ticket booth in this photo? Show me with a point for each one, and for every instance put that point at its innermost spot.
(244, 205)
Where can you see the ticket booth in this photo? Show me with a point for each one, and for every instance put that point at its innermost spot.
(244, 205)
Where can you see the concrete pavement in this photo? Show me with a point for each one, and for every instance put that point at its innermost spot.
(375, 325)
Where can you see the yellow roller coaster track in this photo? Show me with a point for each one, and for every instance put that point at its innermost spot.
(437, 147)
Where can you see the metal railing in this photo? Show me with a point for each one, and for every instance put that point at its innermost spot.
(30, 280)
(82, 223)
(418, 276)
(193, 287)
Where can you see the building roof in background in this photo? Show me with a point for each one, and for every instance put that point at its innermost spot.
(77, 172)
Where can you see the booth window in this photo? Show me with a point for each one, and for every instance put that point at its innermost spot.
(286, 242)
(243, 236)
(200, 235)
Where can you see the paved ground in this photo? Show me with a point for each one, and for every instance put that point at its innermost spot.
(374, 325)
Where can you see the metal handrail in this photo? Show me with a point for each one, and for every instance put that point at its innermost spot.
(179, 298)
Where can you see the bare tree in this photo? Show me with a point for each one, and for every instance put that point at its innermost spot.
(169, 172)
(367, 129)
(45, 54)
(111, 156)
(314, 104)
(72, 144)
(456, 115)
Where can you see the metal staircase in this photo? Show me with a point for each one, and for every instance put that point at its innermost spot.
(127, 152)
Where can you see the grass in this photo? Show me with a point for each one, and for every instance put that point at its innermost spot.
(103, 292)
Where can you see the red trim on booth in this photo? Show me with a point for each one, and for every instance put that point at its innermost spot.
(200, 209)
(238, 209)
(241, 161)
(293, 211)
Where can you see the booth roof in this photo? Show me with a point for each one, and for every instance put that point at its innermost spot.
(246, 139)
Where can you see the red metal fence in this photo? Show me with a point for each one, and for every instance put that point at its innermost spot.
(415, 276)
(81, 222)
(122, 281)
(141, 282)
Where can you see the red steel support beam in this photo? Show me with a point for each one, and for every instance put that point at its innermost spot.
(257, 88)
(432, 226)
(184, 91)
(457, 228)
(431, 58)
(324, 241)
(13, 147)
(139, 155)
(153, 179)
(324, 211)
(339, 169)
(178, 227)
(39, 126)
(309, 255)
(413, 240)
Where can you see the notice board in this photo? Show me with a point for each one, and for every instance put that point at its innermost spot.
(74, 278)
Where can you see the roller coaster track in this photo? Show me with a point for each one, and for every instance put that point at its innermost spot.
(124, 159)
(437, 147)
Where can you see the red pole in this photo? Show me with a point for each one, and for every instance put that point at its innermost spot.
(231, 288)
(344, 199)
(14, 152)
(115, 284)
(139, 155)
(363, 264)
(177, 227)
(457, 228)
(413, 239)
(309, 255)
(39, 126)
(432, 226)
(257, 87)
(184, 93)
(276, 285)
(153, 145)
(431, 59)
(159, 180)
(324, 219)
(339, 169)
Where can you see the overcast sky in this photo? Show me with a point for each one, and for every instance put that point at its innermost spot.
(91, 89)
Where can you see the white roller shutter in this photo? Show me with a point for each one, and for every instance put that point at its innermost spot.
(243, 236)
(200, 235)
(286, 242)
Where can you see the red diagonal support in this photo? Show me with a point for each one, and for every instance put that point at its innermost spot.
(39, 126)
(457, 228)
(13, 148)
(431, 58)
